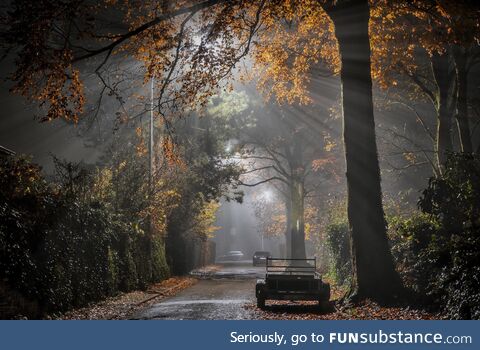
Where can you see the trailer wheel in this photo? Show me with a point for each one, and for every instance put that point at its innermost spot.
(324, 305)
(261, 302)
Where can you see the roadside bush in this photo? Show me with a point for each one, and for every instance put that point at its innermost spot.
(62, 248)
(412, 241)
(338, 242)
(437, 251)
(94, 231)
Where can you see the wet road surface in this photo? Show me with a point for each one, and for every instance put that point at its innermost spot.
(217, 296)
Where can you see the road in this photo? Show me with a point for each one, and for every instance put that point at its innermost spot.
(218, 296)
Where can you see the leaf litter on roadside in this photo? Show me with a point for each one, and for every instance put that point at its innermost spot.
(308, 310)
(123, 305)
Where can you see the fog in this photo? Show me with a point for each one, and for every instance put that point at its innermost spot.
(238, 225)
(238, 230)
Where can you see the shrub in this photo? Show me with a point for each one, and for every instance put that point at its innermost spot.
(338, 242)
(63, 249)
(95, 232)
(411, 240)
(438, 251)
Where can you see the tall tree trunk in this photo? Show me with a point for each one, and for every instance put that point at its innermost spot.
(297, 220)
(374, 274)
(288, 228)
(460, 57)
(443, 79)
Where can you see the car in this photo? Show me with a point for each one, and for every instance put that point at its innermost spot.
(292, 279)
(233, 255)
(260, 258)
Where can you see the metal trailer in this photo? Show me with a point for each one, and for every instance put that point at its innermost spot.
(294, 279)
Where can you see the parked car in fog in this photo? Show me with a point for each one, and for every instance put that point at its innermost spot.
(233, 255)
(260, 258)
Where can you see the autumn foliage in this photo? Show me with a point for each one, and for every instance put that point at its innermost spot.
(96, 231)
(74, 57)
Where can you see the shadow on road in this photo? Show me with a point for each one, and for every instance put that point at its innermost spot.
(300, 307)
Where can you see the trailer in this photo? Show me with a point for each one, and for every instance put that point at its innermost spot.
(292, 279)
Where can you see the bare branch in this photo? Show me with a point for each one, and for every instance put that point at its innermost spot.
(124, 37)
(419, 118)
(258, 169)
(273, 178)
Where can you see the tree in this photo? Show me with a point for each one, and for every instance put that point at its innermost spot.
(283, 151)
(373, 268)
(434, 46)
(189, 69)
(202, 179)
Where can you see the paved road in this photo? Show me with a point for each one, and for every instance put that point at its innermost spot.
(219, 296)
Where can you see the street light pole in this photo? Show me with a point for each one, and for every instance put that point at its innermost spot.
(150, 143)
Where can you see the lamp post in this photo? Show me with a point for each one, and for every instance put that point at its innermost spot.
(150, 143)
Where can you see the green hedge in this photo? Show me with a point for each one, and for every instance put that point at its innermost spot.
(338, 242)
(438, 250)
(63, 252)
